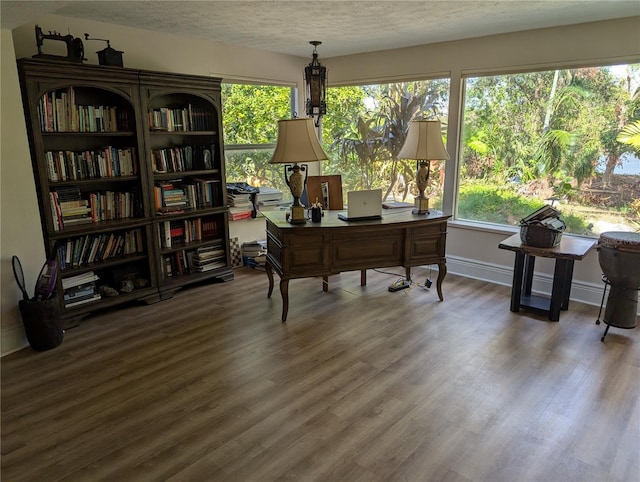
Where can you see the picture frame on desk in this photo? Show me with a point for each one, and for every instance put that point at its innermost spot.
(326, 189)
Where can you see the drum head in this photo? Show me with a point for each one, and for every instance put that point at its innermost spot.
(622, 240)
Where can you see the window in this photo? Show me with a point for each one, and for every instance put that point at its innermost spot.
(365, 127)
(552, 137)
(251, 115)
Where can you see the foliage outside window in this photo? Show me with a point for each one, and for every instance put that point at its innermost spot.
(250, 116)
(365, 128)
(567, 137)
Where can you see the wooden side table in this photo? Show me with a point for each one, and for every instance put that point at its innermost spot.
(569, 250)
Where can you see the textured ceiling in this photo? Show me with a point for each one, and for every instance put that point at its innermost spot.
(344, 27)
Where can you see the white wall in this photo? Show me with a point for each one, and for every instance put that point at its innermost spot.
(469, 250)
(20, 234)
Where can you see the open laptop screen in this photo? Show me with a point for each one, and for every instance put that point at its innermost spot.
(363, 205)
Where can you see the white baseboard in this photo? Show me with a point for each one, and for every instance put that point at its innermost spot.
(13, 338)
(581, 291)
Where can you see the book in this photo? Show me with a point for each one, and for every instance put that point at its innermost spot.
(396, 205)
(95, 297)
(79, 279)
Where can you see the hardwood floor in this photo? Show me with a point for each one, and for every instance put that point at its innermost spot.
(359, 384)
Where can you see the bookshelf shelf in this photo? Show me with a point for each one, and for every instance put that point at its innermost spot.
(47, 135)
(165, 176)
(94, 181)
(184, 133)
(94, 141)
(176, 282)
(99, 227)
(104, 302)
(125, 259)
(189, 245)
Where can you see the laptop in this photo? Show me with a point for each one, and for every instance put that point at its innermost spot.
(363, 206)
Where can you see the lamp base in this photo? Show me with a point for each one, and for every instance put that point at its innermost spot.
(298, 215)
(421, 206)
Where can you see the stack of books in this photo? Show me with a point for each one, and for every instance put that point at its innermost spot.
(208, 258)
(68, 208)
(173, 197)
(240, 205)
(269, 197)
(80, 289)
(242, 200)
(170, 198)
(254, 253)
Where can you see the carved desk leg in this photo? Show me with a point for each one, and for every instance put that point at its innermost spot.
(284, 291)
(267, 268)
(442, 272)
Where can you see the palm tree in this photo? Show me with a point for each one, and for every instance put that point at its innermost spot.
(402, 103)
(630, 135)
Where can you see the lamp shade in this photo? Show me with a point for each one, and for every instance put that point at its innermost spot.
(297, 142)
(424, 142)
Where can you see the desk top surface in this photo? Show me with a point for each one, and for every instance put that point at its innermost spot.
(570, 247)
(330, 219)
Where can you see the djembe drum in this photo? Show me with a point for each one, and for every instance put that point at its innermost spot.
(619, 257)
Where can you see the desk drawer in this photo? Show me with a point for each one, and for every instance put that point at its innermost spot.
(425, 249)
(292, 258)
(307, 261)
(367, 251)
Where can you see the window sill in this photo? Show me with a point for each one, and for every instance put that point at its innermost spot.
(500, 228)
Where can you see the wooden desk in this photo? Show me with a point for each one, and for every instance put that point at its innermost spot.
(569, 250)
(333, 246)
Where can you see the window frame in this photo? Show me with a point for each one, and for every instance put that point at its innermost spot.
(293, 102)
(455, 138)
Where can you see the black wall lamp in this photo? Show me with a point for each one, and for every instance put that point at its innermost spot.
(315, 75)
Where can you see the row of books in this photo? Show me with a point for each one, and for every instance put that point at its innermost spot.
(175, 196)
(58, 112)
(193, 261)
(80, 289)
(183, 231)
(95, 164)
(181, 119)
(94, 248)
(70, 207)
(185, 158)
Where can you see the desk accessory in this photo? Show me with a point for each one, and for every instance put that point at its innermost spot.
(363, 205)
(297, 143)
(424, 144)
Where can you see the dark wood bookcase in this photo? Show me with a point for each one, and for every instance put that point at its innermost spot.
(129, 173)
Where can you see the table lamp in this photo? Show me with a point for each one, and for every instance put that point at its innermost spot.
(297, 143)
(424, 144)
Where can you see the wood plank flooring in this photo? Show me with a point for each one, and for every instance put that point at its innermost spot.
(359, 384)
